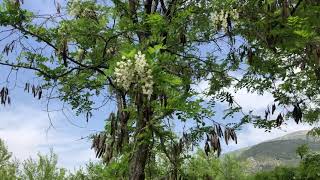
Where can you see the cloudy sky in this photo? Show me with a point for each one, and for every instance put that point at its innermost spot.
(27, 129)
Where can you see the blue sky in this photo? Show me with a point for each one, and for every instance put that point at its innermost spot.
(25, 125)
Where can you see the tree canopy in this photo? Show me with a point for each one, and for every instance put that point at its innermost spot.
(147, 57)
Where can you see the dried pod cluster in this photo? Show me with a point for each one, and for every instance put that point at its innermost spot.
(226, 96)
(279, 120)
(8, 48)
(213, 139)
(270, 111)
(35, 90)
(99, 144)
(5, 98)
(105, 143)
(297, 113)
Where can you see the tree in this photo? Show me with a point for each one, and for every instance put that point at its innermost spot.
(43, 168)
(309, 166)
(201, 166)
(283, 48)
(8, 168)
(147, 56)
(303, 150)
(279, 173)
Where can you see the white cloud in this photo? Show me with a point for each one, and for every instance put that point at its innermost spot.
(25, 131)
(252, 101)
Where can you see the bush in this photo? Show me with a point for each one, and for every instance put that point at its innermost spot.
(44, 168)
(310, 166)
(228, 167)
(8, 168)
(279, 173)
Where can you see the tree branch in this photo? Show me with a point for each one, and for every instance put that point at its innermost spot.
(96, 68)
(40, 71)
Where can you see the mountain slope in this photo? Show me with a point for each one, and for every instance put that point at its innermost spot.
(269, 154)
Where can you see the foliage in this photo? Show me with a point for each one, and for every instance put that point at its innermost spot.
(228, 167)
(279, 173)
(8, 168)
(283, 50)
(43, 168)
(94, 171)
(310, 166)
(198, 166)
(308, 169)
(302, 150)
(77, 54)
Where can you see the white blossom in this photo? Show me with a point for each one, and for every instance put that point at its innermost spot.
(137, 72)
(74, 7)
(110, 50)
(220, 19)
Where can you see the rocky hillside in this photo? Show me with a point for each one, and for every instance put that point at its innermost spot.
(269, 154)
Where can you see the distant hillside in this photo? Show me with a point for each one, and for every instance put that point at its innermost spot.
(269, 154)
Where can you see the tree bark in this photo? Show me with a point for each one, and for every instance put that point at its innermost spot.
(138, 163)
(141, 152)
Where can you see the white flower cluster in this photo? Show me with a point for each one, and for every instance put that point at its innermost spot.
(124, 74)
(110, 50)
(221, 18)
(74, 7)
(128, 72)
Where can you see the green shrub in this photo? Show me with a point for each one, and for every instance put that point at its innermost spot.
(310, 166)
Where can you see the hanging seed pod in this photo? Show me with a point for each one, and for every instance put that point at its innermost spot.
(26, 87)
(297, 114)
(279, 120)
(273, 108)
(4, 95)
(207, 148)
(58, 7)
(227, 135)
(266, 114)
(235, 137)
(40, 94)
(218, 148)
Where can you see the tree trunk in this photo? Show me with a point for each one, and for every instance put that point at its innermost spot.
(141, 152)
(138, 162)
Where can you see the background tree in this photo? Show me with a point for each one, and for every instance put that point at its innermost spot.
(310, 166)
(201, 166)
(281, 172)
(8, 168)
(43, 168)
(302, 150)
